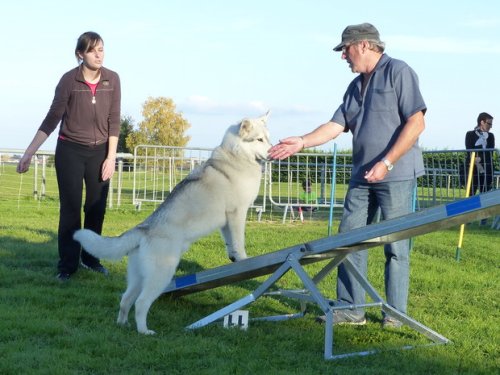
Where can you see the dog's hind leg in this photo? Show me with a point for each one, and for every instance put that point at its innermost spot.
(134, 286)
(234, 235)
(158, 271)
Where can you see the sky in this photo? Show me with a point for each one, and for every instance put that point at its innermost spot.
(221, 61)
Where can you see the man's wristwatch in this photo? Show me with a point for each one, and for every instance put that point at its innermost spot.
(388, 164)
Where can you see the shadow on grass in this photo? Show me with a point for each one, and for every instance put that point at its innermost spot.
(36, 254)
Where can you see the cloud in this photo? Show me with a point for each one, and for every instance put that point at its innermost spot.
(199, 104)
(442, 44)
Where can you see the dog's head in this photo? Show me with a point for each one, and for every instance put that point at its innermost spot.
(249, 137)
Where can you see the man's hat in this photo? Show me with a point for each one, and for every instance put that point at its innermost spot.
(356, 33)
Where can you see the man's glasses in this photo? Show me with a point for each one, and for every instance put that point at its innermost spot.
(346, 48)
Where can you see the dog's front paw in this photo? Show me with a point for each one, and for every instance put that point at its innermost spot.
(236, 257)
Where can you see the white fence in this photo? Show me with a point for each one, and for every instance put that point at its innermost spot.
(146, 178)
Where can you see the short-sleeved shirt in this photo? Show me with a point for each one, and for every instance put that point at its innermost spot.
(377, 118)
(308, 197)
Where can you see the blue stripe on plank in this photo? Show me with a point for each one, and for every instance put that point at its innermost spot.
(465, 205)
(185, 280)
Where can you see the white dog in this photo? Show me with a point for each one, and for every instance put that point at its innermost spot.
(217, 195)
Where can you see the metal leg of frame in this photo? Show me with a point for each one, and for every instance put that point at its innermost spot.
(243, 301)
(311, 293)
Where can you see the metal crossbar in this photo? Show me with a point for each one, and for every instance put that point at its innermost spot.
(335, 248)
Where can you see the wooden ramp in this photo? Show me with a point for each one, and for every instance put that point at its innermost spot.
(335, 249)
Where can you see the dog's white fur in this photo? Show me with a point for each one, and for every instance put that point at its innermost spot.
(217, 195)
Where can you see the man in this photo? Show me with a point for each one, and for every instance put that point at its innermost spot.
(384, 110)
(481, 138)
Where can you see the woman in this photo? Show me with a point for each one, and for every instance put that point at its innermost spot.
(87, 104)
(480, 139)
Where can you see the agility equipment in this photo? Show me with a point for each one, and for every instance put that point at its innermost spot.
(332, 192)
(335, 250)
(467, 193)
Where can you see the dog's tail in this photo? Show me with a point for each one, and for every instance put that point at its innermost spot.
(112, 248)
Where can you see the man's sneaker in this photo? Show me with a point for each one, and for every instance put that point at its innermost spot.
(63, 276)
(344, 317)
(96, 268)
(388, 323)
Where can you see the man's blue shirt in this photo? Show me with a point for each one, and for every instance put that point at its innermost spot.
(376, 119)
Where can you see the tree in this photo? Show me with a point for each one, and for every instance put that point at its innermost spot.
(126, 128)
(161, 125)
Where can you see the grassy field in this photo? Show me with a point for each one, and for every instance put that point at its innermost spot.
(52, 328)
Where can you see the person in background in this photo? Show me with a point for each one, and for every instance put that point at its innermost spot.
(479, 139)
(87, 106)
(384, 110)
(308, 196)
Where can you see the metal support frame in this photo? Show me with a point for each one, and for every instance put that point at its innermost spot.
(336, 249)
(311, 293)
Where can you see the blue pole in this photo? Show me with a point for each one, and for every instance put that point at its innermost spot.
(332, 192)
(413, 209)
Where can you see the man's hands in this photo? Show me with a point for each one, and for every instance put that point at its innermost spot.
(377, 173)
(286, 147)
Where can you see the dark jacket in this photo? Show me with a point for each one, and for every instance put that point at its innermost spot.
(471, 138)
(82, 120)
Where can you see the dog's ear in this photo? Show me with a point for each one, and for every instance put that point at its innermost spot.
(248, 125)
(264, 117)
(246, 128)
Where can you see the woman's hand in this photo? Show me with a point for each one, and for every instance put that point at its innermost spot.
(108, 169)
(24, 163)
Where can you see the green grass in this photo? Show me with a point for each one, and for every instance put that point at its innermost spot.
(52, 328)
